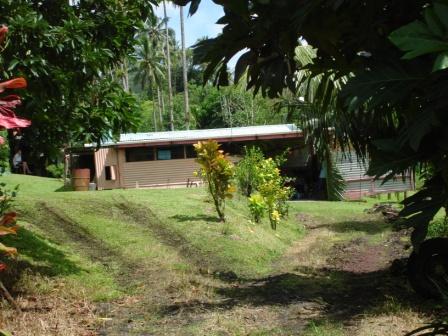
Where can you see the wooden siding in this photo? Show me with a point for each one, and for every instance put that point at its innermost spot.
(158, 173)
(106, 157)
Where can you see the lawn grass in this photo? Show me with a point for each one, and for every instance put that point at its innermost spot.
(240, 246)
(116, 246)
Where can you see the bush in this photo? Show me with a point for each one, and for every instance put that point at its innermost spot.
(56, 170)
(7, 222)
(438, 228)
(246, 170)
(260, 179)
(271, 187)
(257, 207)
(217, 171)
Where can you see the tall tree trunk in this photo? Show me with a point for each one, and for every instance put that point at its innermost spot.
(155, 85)
(161, 107)
(162, 100)
(125, 75)
(168, 65)
(154, 112)
(184, 67)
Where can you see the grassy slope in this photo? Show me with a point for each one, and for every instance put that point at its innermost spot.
(116, 221)
(183, 231)
(98, 243)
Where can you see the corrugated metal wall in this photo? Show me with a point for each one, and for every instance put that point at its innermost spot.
(358, 184)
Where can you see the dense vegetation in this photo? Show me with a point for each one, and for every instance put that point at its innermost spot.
(377, 79)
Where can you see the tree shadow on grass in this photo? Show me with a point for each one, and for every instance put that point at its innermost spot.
(193, 218)
(46, 259)
(369, 227)
(341, 295)
(64, 188)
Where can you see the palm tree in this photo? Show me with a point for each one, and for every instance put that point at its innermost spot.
(149, 69)
(154, 27)
(168, 65)
(184, 68)
(319, 115)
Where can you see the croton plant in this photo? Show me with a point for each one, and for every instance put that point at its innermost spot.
(8, 120)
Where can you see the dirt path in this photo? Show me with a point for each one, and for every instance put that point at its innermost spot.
(318, 278)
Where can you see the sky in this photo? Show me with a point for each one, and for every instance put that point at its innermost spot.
(201, 24)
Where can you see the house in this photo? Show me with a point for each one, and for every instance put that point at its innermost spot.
(167, 159)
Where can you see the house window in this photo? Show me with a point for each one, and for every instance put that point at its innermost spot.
(170, 153)
(110, 173)
(139, 154)
(163, 154)
(191, 153)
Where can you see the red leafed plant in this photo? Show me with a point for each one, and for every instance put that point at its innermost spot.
(8, 119)
(7, 227)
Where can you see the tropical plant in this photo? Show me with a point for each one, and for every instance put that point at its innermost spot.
(168, 67)
(217, 171)
(184, 70)
(149, 71)
(257, 207)
(70, 48)
(271, 187)
(7, 227)
(8, 120)
(55, 170)
(390, 107)
(321, 120)
(246, 170)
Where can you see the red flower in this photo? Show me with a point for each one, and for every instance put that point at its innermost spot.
(2, 141)
(2, 267)
(3, 32)
(15, 83)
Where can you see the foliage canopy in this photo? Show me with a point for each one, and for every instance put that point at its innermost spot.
(69, 54)
(384, 62)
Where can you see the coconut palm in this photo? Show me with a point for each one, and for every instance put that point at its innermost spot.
(149, 70)
(184, 68)
(168, 67)
(320, 118)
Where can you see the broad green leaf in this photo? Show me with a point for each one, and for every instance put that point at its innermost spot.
(433, 22)
(441, 62)
(13, 64)
(416, 39)
(441, 9)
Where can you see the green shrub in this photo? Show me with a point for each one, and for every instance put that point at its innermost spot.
(438, 228)
(217, 171)
(271, 186)
(257, 207)
(56, 170)
(246, 170)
